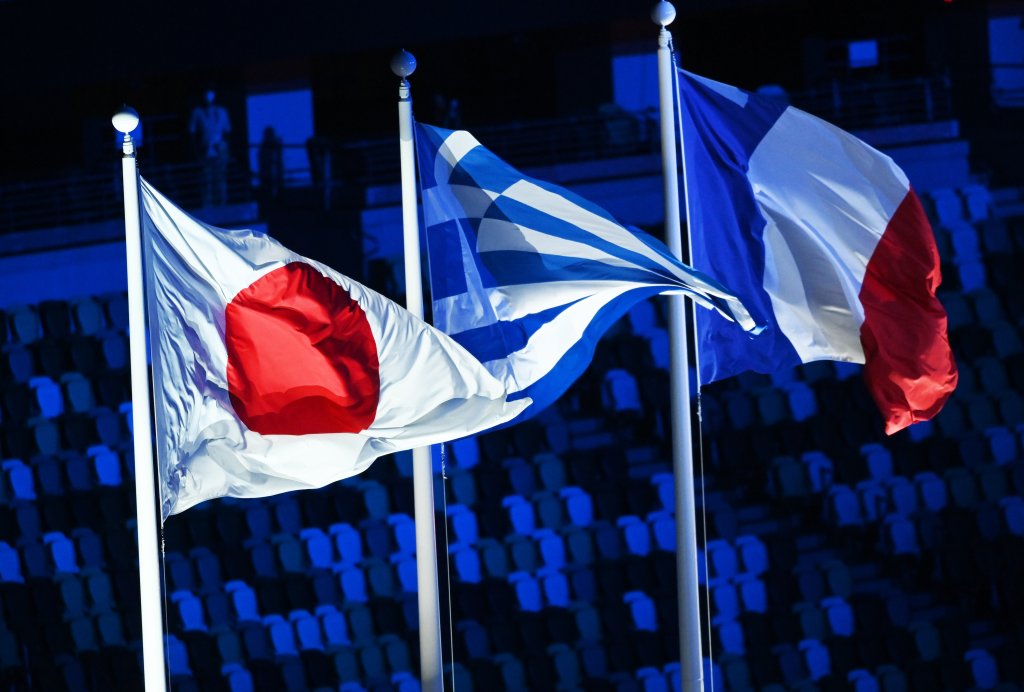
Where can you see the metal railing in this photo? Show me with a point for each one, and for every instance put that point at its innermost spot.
(81, 199)
(880, 104)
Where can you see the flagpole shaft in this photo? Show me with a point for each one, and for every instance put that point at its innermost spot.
(153, 666)
(431, 666)
(691, 663)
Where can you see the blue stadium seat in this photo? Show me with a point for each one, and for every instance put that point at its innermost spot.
(101, 591)
(319, 550)
(932, 491)
(552, 471)
(494, 556)
(177, 657)
(111, 630)
(816, 658)
(550, 512)
(347, 542)
(62, 552)
(107, 465)
(523, 551)
(72, 593)
(620, 392)
(902, 496)
(20, 362)
(237, 677)
(946, 205)
(551, 546)
(838, 615)
(353, 582)
(753, 554)
(48, 396)
(512, 672)
(520, 513)
(381, 577)
(375, 496)
(722, 559)
(334, 627)
(609, 540)
(730, 635)
(467, 563)
(244, 601)
(753, 593)
(474, 638)
(78, 392)
(636, 533)
(190, 610)
(463, 523)
(290, 553)
(724, 597)
(307, 630)
(843, 508)
(567, 665)
(405, 569)
(19, 479)
(642, 610)
(24, 325)
(466, 452)
(1013, 514)
(873, 499)
(983, 668)
(861, 680)
(527, 591)
(520, 476)
(787, 478)
(665, 485)
(1002, 444)
(1006, 339)
(10, 565)
(811, 619)
(580, 544)
(282, 637)
(555, 586)
(578, 505)
(962, 487)
(404, 532)
(663, 527)
(87, 315)
(396, 652)
(802, 401)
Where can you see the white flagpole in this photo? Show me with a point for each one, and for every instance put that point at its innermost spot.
(403, 64)
(688, 586)
(154, 669)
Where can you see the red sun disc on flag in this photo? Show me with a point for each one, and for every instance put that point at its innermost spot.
(301, 356)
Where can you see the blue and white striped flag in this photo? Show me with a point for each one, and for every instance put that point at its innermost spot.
(527, 276)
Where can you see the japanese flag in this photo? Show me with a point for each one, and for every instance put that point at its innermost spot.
(273, 372)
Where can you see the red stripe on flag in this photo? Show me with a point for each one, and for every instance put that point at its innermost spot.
(909, 367)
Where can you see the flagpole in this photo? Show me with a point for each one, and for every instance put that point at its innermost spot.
(691, 663)
(154, 669)
(403, 64)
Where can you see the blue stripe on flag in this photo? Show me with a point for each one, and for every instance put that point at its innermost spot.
(726, 224)
(500, 339)
(513, 268)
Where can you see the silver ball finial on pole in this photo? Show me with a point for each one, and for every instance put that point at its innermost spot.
(125, 121)
(403, 63)
(663, 13)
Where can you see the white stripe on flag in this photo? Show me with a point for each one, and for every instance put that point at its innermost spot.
(817, 253)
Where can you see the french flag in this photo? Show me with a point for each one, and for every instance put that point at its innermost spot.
(824, 240)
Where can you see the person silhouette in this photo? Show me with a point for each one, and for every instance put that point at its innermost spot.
(210, 127)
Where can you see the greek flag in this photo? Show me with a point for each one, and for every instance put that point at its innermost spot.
(527, 276)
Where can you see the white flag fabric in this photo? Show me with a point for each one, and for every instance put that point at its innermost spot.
(274, 372)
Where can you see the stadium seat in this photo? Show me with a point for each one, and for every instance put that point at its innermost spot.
(48, 396)
(334, 627)
(347, 542)
(404, 531)
(578, 505)
(637, 535)
(816, 658)
(555, 587)
(527, 591)
(463, 523)
(520, 514)
(663, 527)
(753, 593)
(520, 476)
(190, 611)
(466, 562)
